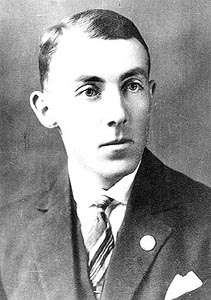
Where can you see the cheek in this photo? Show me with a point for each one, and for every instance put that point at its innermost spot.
(140, 109)
(78, 128)
(70, 116)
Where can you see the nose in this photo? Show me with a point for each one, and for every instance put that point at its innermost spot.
(117, 114)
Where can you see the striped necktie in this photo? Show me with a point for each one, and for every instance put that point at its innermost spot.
(99, 243)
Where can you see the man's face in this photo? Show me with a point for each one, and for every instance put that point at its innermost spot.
(99, 93)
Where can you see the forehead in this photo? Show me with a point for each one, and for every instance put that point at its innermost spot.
(77, 55)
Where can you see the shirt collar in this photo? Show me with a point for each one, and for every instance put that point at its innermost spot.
(121, 190)
(85, 191)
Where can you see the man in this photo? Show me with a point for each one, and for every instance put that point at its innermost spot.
(125, 226)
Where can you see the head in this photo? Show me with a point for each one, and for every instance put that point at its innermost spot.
(95, 87)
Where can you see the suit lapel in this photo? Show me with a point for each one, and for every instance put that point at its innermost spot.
(130, 262)
(59, 251)
(58, 248)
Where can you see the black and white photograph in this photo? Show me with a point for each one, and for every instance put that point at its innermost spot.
(105, 150)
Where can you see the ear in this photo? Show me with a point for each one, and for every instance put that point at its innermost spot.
(39, 104)
(152, 87)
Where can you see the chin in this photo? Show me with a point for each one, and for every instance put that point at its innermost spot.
(117, 170)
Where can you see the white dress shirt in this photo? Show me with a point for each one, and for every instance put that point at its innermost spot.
(86, 191)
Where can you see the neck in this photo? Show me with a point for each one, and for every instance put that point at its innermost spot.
(79, 173)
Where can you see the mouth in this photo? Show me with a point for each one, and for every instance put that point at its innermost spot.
(118, 142)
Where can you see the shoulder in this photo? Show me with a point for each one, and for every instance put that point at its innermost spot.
(19, 218)
(184, 205)
(174, 179)
(174, 189)
(192, 202)
(189, 191)
(15, 217)
(15, 221)
(21, 211)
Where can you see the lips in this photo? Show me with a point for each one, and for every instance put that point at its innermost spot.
(121, 141)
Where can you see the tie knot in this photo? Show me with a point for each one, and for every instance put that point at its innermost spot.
(103, 202)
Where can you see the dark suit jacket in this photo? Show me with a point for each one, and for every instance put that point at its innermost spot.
(42, 255)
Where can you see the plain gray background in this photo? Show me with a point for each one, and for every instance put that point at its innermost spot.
(178, 33)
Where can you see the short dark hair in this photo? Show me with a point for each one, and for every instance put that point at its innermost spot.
(97, 23)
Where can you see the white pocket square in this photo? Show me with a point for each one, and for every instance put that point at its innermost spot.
(182, 285)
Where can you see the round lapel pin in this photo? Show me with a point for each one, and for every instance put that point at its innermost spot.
(147, 242)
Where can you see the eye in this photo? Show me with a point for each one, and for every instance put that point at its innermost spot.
(133, 86)
(89, 91)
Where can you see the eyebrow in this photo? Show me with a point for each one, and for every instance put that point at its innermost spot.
(133, 72)
(87, 78)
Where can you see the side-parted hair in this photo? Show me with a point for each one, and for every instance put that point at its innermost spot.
(97, 23)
